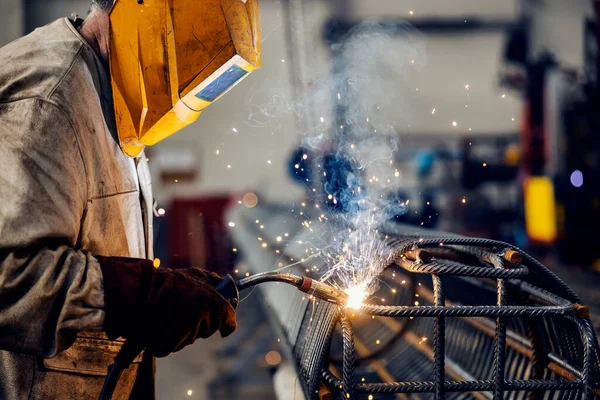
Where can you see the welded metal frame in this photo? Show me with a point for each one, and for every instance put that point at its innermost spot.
(494, 264)
(534, 323)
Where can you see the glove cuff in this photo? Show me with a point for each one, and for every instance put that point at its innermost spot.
(126, 285)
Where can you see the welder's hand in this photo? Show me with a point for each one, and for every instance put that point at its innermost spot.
(162, 309)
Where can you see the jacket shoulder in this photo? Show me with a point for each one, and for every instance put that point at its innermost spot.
(34, 66)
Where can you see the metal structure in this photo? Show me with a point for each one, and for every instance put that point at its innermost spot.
(523, 334)
(463, 318)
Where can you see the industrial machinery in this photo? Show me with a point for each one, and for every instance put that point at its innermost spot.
(454, 318)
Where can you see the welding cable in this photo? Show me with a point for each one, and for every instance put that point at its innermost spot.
(305, 284)
(123, 360)
(282, 277)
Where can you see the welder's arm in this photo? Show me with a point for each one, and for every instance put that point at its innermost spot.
(48, 290)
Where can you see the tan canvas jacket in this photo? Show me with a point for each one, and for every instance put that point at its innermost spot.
(67, 193)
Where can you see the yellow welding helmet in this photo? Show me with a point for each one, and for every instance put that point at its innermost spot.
(170, 59)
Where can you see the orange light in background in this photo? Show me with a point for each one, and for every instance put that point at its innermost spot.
(250, 200)
(273, 358)
(156, 262)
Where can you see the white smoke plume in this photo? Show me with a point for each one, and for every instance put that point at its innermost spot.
(373, 66)
(347, 162)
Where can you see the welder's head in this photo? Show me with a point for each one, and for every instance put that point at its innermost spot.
(171, 59)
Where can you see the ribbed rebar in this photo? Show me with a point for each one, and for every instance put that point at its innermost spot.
(439, 338)
(456, 386)
(538, 363)
(459, 269)
(500, 345)
(588, 334)
(488, 259)
(466, 386)
(466, 311)
(399, 246)
(348, 361)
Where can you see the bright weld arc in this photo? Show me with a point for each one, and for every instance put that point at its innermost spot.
(356, 295)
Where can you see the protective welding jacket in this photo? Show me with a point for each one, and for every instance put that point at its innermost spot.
(67, 193)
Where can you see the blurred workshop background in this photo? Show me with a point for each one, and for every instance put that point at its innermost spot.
(497, 119)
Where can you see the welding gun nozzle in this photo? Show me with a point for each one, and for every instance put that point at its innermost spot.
(323, 291)
(318, 289)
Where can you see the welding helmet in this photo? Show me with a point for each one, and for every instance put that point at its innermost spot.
(171, 59)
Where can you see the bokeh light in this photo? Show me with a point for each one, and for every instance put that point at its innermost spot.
(250, 200)
(273, 358)
(577, 178)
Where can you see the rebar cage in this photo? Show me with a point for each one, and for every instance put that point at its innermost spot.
(472, 318)
(463, 318)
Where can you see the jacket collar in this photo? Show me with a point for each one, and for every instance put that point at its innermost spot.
(100, 75)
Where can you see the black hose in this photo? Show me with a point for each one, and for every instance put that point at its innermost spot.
(123, 360)
(264, 277)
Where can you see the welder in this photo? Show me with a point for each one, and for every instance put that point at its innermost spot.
(79, 101)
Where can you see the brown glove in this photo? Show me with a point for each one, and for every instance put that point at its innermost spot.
(163, 309)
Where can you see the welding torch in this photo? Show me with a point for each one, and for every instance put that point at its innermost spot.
(229, 289)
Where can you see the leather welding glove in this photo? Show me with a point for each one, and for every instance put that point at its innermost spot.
(163, 309)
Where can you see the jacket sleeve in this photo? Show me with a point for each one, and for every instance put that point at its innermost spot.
(49, 289)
